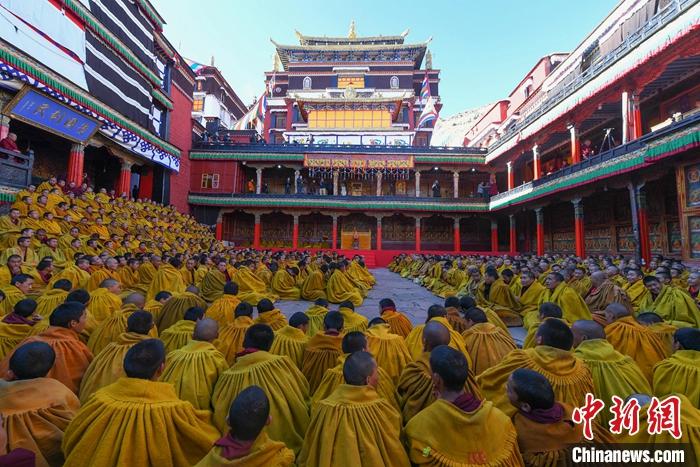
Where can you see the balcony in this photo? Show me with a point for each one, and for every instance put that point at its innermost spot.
(16, 168)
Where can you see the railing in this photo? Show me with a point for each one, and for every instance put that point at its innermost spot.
(16, 168)
(559, 93)
(349, 199)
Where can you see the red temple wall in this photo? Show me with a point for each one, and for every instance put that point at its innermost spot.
(180, 134)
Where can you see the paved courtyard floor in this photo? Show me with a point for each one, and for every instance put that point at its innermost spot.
(410, 298)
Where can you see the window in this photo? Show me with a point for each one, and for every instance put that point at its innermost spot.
(210, 181)
(345, 119)
(394, 82)
(198, 104)
(306, 84)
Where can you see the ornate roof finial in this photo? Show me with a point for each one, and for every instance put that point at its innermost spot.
(428, 60)
(276, 62)
(352, 33)
(212, 61)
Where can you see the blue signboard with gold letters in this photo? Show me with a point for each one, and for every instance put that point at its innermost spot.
(38, 109)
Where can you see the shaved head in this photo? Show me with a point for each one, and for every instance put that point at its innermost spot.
(615, 311)
(206, 330)
(598, 277)
(435, 334)
(586, 329)
(135, 299)
(358, 368)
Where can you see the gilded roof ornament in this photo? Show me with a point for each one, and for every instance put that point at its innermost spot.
(428, 60)
(352, 33)
(276, 64)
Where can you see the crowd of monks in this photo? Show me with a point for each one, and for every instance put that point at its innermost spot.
(130, 336)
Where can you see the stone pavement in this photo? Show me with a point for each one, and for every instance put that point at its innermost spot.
(410, 298)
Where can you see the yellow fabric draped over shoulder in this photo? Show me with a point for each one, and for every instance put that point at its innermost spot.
(316, 315)
(230, 340)
(291, 342)
(110, 329)
(285, 286)
(213, 285)
(194, 370)
(12, 296)
(96, 278)
(680, 373)
(163, 430)
(531, 298)
(637, 294)
(314, 286)
(398, 322)
(581, 286)
(352, 321)
(502, 300)
(103, 304)
(614, 374)
(487, 345)
(284, 385)
(166, 278)
(572, 305)
(178, 335)
(569, 376)
(389, 350)
(251, 289)
(77, 277)
(72, 356)
(222, 309)
(353, 427)
(263, 453)
(108, 365)
(445, 435)
(48, 302)
(320, 354)
(674, 306)
(340, 289)
(629, 337)
(414, 341)
(273, 318)
(36, 412)
(175, 308)
(11, 335)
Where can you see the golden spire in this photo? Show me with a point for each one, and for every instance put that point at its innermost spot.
(428, 60)
(352, 33)
(212, 61)
(275, 62)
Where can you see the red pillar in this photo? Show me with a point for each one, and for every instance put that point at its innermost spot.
(124, 181)
(512, 238)
(578, 228)
(334, 235)
(636, 117)
(219, 229)
(643, 219)
(539, 213)
(267, 125)
(575, 145)
(256, 232)
(76, 160)
(295, 233)
(146, 183)
(511, 175)
(290, 116)
(494, 236)
(379, 233)
(536, 167)
(418, 234)
(457, 238)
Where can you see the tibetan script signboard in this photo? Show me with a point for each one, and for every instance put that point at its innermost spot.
(357, 161)
(37, 109)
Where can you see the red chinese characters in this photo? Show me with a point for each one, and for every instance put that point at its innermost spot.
(587, 413)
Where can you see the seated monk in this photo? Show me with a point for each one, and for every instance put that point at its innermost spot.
(163, 430)
(580, 282)
(552, 357)
(398, 323)
(547, 310)
(107, 271)
(389, 350)
(495, 294)
(672, 304)
(454, 314)
(571, 303)
(35, 410)
(352, 321)
(459, 426)
(291, 340)
(277, 376)
(269, 315)
(316, 313)
(47, 302)
(72, 356)
(657, 325)
(247, 443)
(322, 350)
(17, 325)
(415, 386)
(486, 344)
(230, 340)
(195, 368)
(174, 309)
(108, 365)
(353, 342)
(414, 341)
(78, 273)
(284, 284)
(155, 306)
(104, 300)
(467, 303)
(20, 286)
(680, 373)
(214, 281)
(603, 293)
(221, 310)
(251, 287)
(629, 337)
(634, 288)
(110, 329)
(180, 333)
(530, 294)
(339, 288)
(614, 374)
(314, 286)
(167, 277)
(354, 426)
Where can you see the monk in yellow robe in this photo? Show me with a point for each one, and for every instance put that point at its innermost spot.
(105, 301)
(155, 306)
(530, 294)
(388, 349)
(659, 327)
(108, 365)
(552, 357)
(284, 284)
(495, 294)
(673, 305)
(230, 340)
(195, 368)
(251, 288)
(214, 281)
(634, 288)
(110, 329)
(72, 356)
(180, 334)
(247, 444)
(174, 309)
(291, 340)
(17, 325)
(277, 376)
(398, 323)
(571, 303)
(604, 292)
(221, 310)
(269, 315)
(352, 321)
(168, 278)
(340, 288)
(109, 271)
(323, 349)
(486, 344)
(415, 386)
(414, 341)
(316, 313)
(467, 303)
(78, 274)
(36, 410)
(614, 374)
(547, 310)
(680, 373)
(10, 226)
(163, 430)
(20, 287)
(629, 337)
(459, 426)
(58, 257)
(354, 426)
(146, 272)
(314, 286)
(454, 314)
(580, 282)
